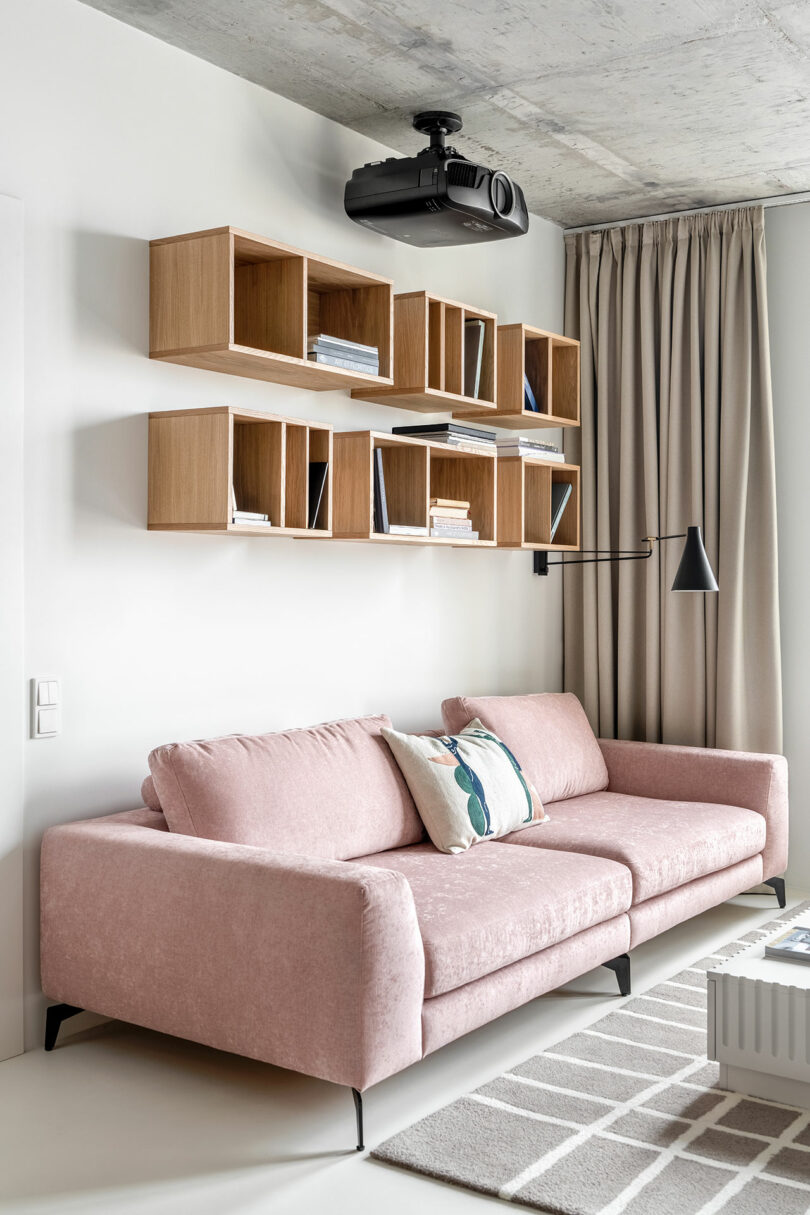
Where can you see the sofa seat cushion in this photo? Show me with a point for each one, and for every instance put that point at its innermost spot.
(331, 791)
(488, 907)
(547, 732)
(663, 843)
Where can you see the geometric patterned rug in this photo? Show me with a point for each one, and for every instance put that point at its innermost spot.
(624, 1117)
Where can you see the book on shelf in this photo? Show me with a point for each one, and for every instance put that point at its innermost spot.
(380, 501)
(473, 355)
(535, 453)
(560, 493)
(406, 529)
(452, 533)
(367, 360)
(357, 349)
(443, 518)
(793, 946)
(317, 482)
(250, 516)
(452, 502)
(449, 512)
(345, 364)
(527, 441)
(437, 429)
(529, 400)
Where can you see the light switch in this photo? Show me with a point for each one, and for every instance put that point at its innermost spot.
(46, 698)
(47, 721)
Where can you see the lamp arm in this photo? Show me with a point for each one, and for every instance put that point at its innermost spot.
(541, 561)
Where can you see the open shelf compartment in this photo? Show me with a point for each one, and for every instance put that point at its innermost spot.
(550, 363)
(414, 471)
(226, 300)
(202, 460)
(432, 337)
(524, 505)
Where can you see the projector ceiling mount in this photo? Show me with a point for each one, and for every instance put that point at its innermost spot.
(438, 124)
(437, 197)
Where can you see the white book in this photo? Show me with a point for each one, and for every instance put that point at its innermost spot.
(453, 533)
(406, 529)
(510, 452)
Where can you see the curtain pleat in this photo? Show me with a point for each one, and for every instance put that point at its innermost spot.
(677, 429)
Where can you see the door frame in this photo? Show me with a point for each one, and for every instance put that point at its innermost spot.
(12, 671)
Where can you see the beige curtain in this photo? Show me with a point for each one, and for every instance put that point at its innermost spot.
(677, 428)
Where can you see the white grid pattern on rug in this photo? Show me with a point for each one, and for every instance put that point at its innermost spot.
(624, 1118)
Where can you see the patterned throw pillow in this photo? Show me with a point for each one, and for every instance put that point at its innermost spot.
(467, 787)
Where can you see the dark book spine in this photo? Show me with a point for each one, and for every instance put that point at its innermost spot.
(380, 500)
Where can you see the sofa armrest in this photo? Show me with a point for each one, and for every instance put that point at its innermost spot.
(313, 965)
(701, 774)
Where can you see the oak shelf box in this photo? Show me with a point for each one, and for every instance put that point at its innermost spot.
(415, 471)
(524, 505)
(226, 300)
(196, 455)
(429, 337)
(551, 363)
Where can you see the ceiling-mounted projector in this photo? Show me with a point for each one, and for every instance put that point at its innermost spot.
(437, 197)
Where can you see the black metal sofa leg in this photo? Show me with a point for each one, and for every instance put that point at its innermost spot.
(358, 1109)
(54, 1017)
(621, 968)
(778, 887)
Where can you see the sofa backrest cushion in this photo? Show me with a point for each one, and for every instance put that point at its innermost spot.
(549, 734)
(149, 794)
(329, 791)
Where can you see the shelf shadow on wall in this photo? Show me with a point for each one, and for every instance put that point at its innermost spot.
(109, 470)
(111, 291)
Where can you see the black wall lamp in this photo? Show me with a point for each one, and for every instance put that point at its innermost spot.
(694, 572)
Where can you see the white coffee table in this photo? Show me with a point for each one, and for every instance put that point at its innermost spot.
(759, 1024)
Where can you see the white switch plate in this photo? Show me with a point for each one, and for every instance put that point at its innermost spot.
(46, 702)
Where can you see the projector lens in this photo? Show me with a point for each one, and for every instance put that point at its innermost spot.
(501, 194)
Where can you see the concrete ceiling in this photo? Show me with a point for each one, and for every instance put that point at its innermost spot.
(600, 109)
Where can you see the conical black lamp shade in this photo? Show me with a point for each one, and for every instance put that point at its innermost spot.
(694, 572)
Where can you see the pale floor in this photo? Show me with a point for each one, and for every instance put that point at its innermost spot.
(120, 1120)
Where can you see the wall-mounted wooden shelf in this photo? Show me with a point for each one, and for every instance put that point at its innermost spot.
(524, 505)
(415, 471)
(196, 455)
(551, 364)
(226, 300)
(429, 350)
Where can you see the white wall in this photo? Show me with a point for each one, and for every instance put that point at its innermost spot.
(787, 234)
(111, 138)
(12, 700)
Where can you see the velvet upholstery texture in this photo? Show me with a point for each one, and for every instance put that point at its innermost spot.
(329, 791)
(458, 1012)
(674, 906)
(314, 965)
(485, 908)
(549, 734)
(756, 782)
(149, 794)
(664, 844)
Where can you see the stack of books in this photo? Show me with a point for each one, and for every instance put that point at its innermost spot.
(339, 352)
(450, 520)
(519, 445)
(251, 517)
(464, 438)
(793, 946)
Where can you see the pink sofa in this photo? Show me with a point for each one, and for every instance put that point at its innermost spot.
(277, 896)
